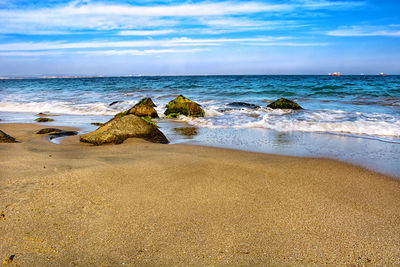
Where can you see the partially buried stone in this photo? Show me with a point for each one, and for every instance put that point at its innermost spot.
(186, 131)
(54, 132)
(144, 108)
(62, 134)
(243, 104)
(283, 103)
(120, 128)
(184, 106)
(5, 138)
(48, 131)
(41, 119)
(41, 114)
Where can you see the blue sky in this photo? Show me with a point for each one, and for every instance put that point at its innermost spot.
(90, 37)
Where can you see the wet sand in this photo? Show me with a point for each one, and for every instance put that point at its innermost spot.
(140, 203)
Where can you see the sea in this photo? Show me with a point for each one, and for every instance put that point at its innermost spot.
(354, 119)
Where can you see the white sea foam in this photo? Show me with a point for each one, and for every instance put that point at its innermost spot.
(357, 123)
(330, 121)
(58, 107)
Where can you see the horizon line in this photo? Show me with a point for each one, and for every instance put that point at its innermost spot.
(167, 75)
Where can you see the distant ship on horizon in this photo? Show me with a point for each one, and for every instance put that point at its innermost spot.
(383, 74)
(335, 74)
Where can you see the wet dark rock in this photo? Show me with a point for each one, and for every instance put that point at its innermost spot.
(283, 103)
(5, 138)
(48, 131)
(62, 134)
(113, 103)
(54, 132)
(187, 131)
(144, 108)
(97, 123)
(183, 106)
(120, 128)
(45, 115)
(41, 119)
(243, 105)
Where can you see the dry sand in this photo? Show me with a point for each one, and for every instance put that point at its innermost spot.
(148, 204)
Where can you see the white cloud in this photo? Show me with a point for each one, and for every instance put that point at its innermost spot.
(79, 15)
(57, 48)
(29, 53)
(133, 52)
(320, 4)
(174, 42)
(233, 22)
(289, 44)
(123, 52)
(363, 31)
(183, 10)
(145, 33)
(100, 16)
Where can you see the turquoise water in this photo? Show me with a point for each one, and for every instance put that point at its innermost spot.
(350, 118)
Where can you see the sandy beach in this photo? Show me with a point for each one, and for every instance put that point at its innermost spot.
(141, 203)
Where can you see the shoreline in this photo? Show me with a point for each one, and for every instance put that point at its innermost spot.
(183, 141)
(140, 203)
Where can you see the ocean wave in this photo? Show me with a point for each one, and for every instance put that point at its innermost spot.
(385, 126)
(58, 107)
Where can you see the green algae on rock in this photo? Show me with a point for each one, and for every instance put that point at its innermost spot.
(120, 128)
(144, 108)
(97, 123)
(5, 138)
(149, 120)
(283, 103)
(43, 119)
(121, 114)
(184, 106)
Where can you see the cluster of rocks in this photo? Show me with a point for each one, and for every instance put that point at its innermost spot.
(137, 122)
(43, 117)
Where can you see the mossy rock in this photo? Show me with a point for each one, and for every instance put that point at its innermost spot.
(172, 116)
(283, 103)
(144, 108)
(97, 123)
(43, 120)
(121, 114)
(120, 128)
(149, 120)
(48, 131)
(5, 138)
(184, 106)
